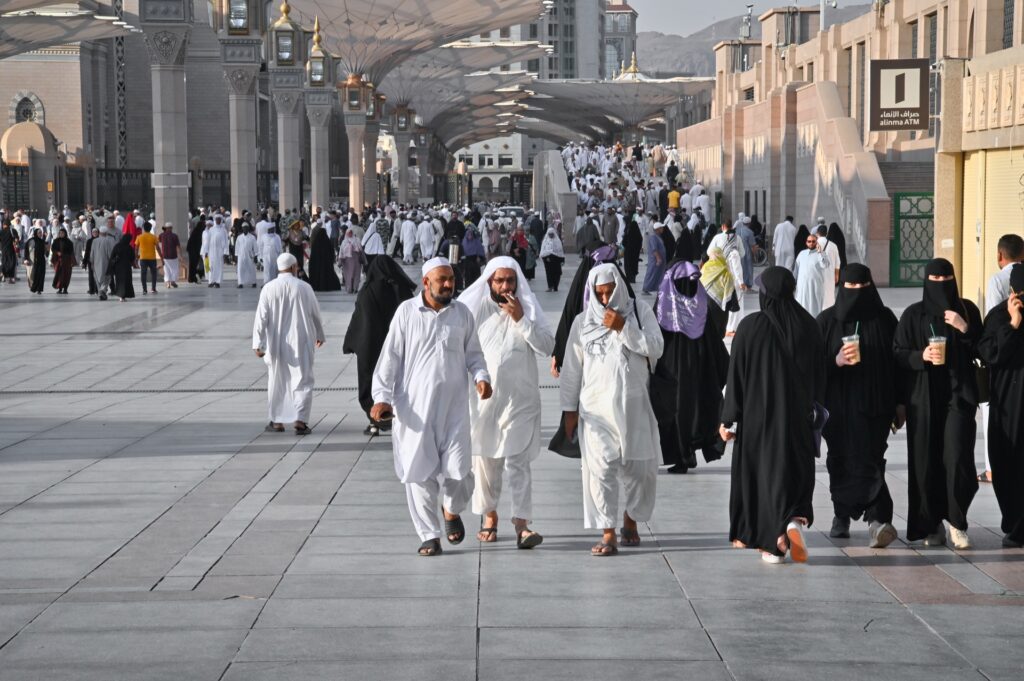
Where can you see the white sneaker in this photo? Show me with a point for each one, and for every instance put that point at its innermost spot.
(882, 534)
(772, 558)
(797, 544)
(960, 539)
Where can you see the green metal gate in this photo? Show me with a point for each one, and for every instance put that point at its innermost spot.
(912, 246)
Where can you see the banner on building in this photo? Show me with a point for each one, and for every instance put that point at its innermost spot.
(899, 95)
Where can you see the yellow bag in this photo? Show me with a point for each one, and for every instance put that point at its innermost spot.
(206, 263)
(717, 280)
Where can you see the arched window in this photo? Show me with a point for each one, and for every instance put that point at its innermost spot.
(25, 110)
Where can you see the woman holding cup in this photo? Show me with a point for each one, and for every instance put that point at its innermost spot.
(935, 344)
(861, 398)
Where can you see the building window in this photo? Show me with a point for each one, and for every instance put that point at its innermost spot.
(533, 31)
(848, 60)
(25, 111)
(809, 72)
(505, 161)
(568, 31)
(913, 39)
(748, 94)
(932, 23)
(552, 30)
(862, 64)
(529, 161)
(1008, 24)
(467, 159)
(505, 33)
(552, 64)
(533, 66)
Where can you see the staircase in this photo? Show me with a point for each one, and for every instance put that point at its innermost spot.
(902, 177)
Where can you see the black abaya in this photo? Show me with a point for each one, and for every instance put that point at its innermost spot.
(861, 399)
(771, 398)
(800, 240)
(700, 366)
(121, 260)
(386, 287)
(1002, 348)
(193, 247)
(941, 405)
(322, 276)
(687, 246)
(632, 242)
(553, 270)
(35, 253)
(87, 263)
(8, 254)
(835, 236)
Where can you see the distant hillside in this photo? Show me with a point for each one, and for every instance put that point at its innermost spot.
(692, 55)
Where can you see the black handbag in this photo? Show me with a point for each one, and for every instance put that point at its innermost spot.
(566, 446)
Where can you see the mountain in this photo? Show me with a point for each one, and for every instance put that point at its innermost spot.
(671, 54)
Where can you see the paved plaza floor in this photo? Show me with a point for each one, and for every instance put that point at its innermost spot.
(150, 529)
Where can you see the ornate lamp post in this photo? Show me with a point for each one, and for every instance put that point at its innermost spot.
(287, 77)
(374, 113)
(402, 127)
(356, 97)
(319, 104)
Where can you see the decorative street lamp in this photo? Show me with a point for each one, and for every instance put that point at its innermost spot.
(238, 17)
(285, 34)
(318, 65)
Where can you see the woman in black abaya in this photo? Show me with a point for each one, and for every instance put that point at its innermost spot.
(122, 258)
(835, 236)
(776, 374)
(322, 276)
(386, 287)
(62, 255)
(942, 400)
(695, 356)
(632, 242)
(193, 247)
(861, 398)
(35, 261)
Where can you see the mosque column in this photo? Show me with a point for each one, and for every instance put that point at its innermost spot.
(289, 167)
(370, 135)
(402, 141)
(355, 130)
(318, 112)
(424, 142)
(167, 27)
(241, 80)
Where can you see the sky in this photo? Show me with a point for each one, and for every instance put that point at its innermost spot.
(684, 17)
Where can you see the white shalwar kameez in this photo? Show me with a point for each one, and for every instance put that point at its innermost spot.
(422, 373)
(215, 247)
(287, 327)
(506, 428)
(245, 254)
(605, 378)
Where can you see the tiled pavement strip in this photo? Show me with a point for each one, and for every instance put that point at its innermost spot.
(150, 529)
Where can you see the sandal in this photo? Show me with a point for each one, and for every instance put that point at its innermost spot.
(271, 428)
(491, 532)
(983, 477)
(528, 539)
(371, 430)
(630, 537)
(431, 547)
(455, 528)
(302, 430)
(604, 549)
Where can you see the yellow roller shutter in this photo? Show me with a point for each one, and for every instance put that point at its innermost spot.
(1004, 201)
(974, 212)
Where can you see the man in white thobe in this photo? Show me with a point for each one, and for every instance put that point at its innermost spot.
(612, 346)
(782, 243)
(270, 247)
(812, 265)
(285, 334)
(245, 254)
(425, 236)
(421, 379)
(215, 246)
(408, 241)
(829, 278)
(505, 429)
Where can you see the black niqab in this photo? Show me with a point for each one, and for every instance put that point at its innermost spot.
(940, 296)
(857, 304)
(320, 268)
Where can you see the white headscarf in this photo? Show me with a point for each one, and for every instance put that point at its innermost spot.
(594, 333)
(478, 293)
(552, 245)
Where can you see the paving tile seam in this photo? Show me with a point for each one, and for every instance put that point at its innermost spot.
(83, 578)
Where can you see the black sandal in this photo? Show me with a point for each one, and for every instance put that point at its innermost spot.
(271, 428)
(528, 539)
(304, 430)
(491, 532)
(455, 528)
(431, 547)
(630, 537)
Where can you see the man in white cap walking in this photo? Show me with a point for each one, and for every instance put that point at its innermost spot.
(287, 330)
(421, 380)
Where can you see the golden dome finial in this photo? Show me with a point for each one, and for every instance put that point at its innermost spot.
(633, 68)
(317, 38)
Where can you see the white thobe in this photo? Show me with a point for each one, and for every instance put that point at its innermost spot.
(270, 247)
(810, 270)
(506, 428)
(422, 373)
(245, 254)
(215, 246)
(618, 432)
(425, 235)
(286, 328)
(704, 203)
(782, 244)
(408, 241)
(828, 279)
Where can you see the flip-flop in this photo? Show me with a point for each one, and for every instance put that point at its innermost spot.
(630, 537)
(603, 550)
(304, 430)
(492, 534)
(271, 428)
(528, 539)
(455, 527)
(431, 547)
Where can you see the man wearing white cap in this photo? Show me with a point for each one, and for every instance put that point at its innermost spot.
(514, 335)
(215, 247)
(285, 333)
(612, 347)
(420, 379)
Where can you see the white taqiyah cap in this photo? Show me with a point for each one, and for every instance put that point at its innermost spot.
(434, 263)
(285, 262)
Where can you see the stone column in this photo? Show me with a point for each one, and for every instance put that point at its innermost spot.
(167, 46)
(370, 134)
(402, 140)
(355, 130)
(289, 167)
(423, 158)
(241, 80)
(318, 110)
